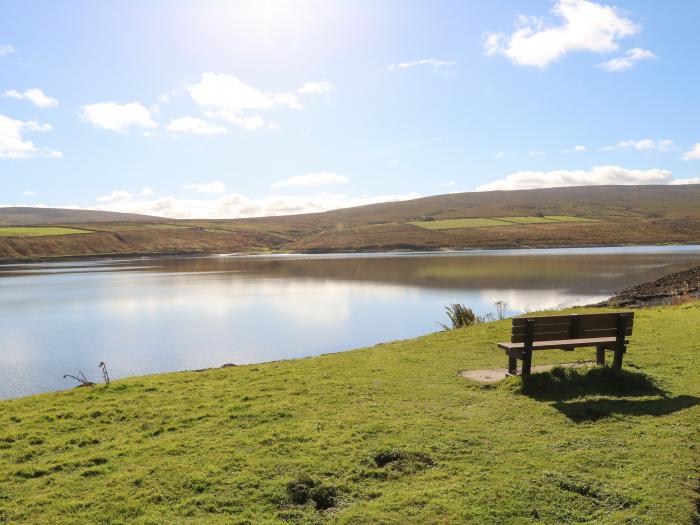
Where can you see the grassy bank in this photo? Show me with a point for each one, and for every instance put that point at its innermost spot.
(388, 434)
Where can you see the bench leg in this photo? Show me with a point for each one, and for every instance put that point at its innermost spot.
(600, 355)
(617, 361)
(512, 365)
(527, 363)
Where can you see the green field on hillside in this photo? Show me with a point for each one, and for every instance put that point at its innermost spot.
(446, 224)
(37, 231)
(389, 434)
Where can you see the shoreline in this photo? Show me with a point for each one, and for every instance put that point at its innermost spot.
(416, 251)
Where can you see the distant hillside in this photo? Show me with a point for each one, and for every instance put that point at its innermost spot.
(669, 202)
(26, 216)
(543, 218)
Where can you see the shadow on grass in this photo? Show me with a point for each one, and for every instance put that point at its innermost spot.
(592, 410)
(561, 385)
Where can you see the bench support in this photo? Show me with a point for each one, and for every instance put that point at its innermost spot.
(617, 360)
(600, 355)
(512, 365)
(620, 344)
(527, 348)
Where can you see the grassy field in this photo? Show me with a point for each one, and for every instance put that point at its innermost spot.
(495, 221)
(388, 434)
(458, 223)
(38, 231)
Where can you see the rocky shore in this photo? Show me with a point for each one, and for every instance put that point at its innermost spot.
(675, 287)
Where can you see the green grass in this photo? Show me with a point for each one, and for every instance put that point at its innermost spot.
(38, 231)
(446, 224)
(568, 218)
(388, 434)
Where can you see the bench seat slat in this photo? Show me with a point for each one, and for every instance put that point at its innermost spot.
(565, 334)
(564, 325)
(588, 321)
(564, 343)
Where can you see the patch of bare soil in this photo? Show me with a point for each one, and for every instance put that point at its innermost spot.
(496, 374)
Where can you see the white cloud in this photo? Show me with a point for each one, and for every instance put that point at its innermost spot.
(35, 95)
(218, 91)
(29, 193)
(7, 49)
(229, 98)
(311, 180)
(581, 25)
(693, 153)
(627, 61)
(251, 123)
(237, 206)
(118, 117)
(194, 126)
(13, 145)
(576, 149)
(499, 155)
(437, 64)
(676, 182)
(209, 187)
(642, 145)
(121, 196)
(536, 153)
(322, 87)
(598, 175)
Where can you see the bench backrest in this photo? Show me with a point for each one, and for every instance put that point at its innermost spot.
(573, 326)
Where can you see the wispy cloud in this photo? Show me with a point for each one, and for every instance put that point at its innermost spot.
(7, 49)
(435, 63)
(13, 144)
(576, 149)
(237, 206)
(322, 87)
(642, 145)
(194, 126)
(209, 187)
(598, 175)
(118, 117)
(311, 180)
(578, 25)
(628, 60)
(34, 95)
(693, 153)
(677, 182)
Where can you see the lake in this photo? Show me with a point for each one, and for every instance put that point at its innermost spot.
(149, 315)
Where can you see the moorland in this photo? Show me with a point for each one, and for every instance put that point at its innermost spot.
(543, 218)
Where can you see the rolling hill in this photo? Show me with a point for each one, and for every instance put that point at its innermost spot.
(556, 217)
(27, 216)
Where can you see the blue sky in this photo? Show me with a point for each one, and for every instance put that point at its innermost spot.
(227, 109)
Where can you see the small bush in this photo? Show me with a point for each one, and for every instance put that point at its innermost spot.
(460, 316)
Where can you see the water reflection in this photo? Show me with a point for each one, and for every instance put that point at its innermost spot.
(152, 315)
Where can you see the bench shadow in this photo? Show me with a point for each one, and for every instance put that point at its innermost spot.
(593, 410)
(566, 386)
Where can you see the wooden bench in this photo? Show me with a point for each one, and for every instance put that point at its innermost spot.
(608, 331)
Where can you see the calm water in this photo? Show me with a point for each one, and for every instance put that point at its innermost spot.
(163, 314)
